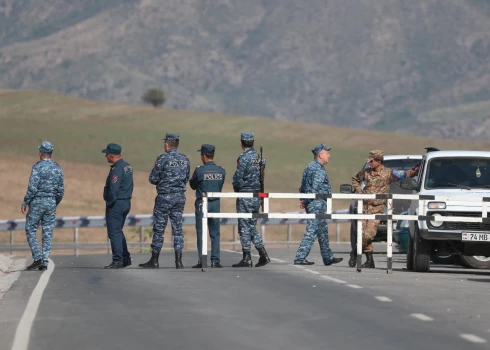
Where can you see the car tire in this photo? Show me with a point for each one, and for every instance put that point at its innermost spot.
(445, 260)
(421, 253)
(409, 252)
(475, 262)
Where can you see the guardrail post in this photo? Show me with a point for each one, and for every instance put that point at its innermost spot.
(389, 234)
(235, 234)
(359, 237)
(75, 240)
(289, 234)
(204, 256)
(262, 231)
(141, 239)
(337, 229)
(11, 237)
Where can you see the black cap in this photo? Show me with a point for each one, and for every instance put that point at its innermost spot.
(112, 148)
(206, 149)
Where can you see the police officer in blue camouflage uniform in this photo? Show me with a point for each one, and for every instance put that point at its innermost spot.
(170, 175)
(44, 192)
(118, 191)
(208, 178)
(315, 180)
(247, 179)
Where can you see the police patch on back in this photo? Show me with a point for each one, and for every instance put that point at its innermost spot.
(215, 176)
(177, 163)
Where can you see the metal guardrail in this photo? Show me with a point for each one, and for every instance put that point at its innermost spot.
(142, 221)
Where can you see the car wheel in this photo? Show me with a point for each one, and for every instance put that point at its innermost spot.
(475, 262)
(446, 259)
(409, 252)
(421, 253)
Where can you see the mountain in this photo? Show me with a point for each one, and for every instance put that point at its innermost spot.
(419, 67)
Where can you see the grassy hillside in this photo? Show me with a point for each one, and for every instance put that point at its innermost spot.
(79, 130)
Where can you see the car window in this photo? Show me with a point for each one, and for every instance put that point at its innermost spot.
(401, 164)
(458, 172)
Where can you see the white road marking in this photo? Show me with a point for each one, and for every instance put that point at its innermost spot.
(422, 317)
(278, 260)
(355, 286)
(230, 251)
(473, 338)
(332, 279)
(23, 332)
(312, 271)
(385, 299)
(298, 266)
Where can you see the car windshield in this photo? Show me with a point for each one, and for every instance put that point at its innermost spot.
(462, 173)
(398, 164)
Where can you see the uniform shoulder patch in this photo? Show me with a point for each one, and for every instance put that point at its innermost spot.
(128, 169)
(115, 178)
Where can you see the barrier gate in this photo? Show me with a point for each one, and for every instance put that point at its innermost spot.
(389, 217)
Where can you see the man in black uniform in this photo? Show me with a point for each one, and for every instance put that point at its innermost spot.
(208, 178)
(117, 195)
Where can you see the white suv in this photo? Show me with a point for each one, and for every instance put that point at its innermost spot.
(450, 173)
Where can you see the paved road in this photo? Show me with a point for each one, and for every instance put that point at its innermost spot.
(279, 306)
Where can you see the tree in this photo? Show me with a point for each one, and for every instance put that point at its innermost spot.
(154, 97)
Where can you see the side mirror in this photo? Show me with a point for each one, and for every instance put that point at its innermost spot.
(346, 188)
(408, 184)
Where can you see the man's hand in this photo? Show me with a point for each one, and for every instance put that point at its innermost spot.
(301, 204)
(23, 210)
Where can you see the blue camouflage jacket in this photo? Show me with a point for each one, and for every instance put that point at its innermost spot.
(46, 180)
(315, 180)
(247, 175)
(171, 172)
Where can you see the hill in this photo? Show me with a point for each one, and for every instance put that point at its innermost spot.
(393, 65)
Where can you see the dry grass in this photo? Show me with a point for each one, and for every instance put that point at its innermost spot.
(81, 128)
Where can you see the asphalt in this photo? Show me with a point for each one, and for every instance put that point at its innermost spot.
(279, 306)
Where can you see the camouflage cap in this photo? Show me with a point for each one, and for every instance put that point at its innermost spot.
(319, 148)
(112, 148)
(206, 149)
(247, 136)
(376, 155)
(171, 137)
(46, 147)
(431, 149)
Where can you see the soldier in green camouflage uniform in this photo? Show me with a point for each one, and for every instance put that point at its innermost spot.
(377, 180)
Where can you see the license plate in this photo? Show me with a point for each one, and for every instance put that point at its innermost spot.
(476, 237)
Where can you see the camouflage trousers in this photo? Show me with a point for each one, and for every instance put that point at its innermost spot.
(41, 210)
(315, 228)
(168, 205)
(370, 227)
(247, 227)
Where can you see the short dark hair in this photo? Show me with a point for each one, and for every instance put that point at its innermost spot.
(247, 143)
(173, 144)
(209, 155)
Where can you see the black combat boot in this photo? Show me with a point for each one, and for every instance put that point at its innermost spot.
(35, 265)
(246, 261)
(353, 259)
(178, 260)
(264, 258)
(369, 264)
(152, 263)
